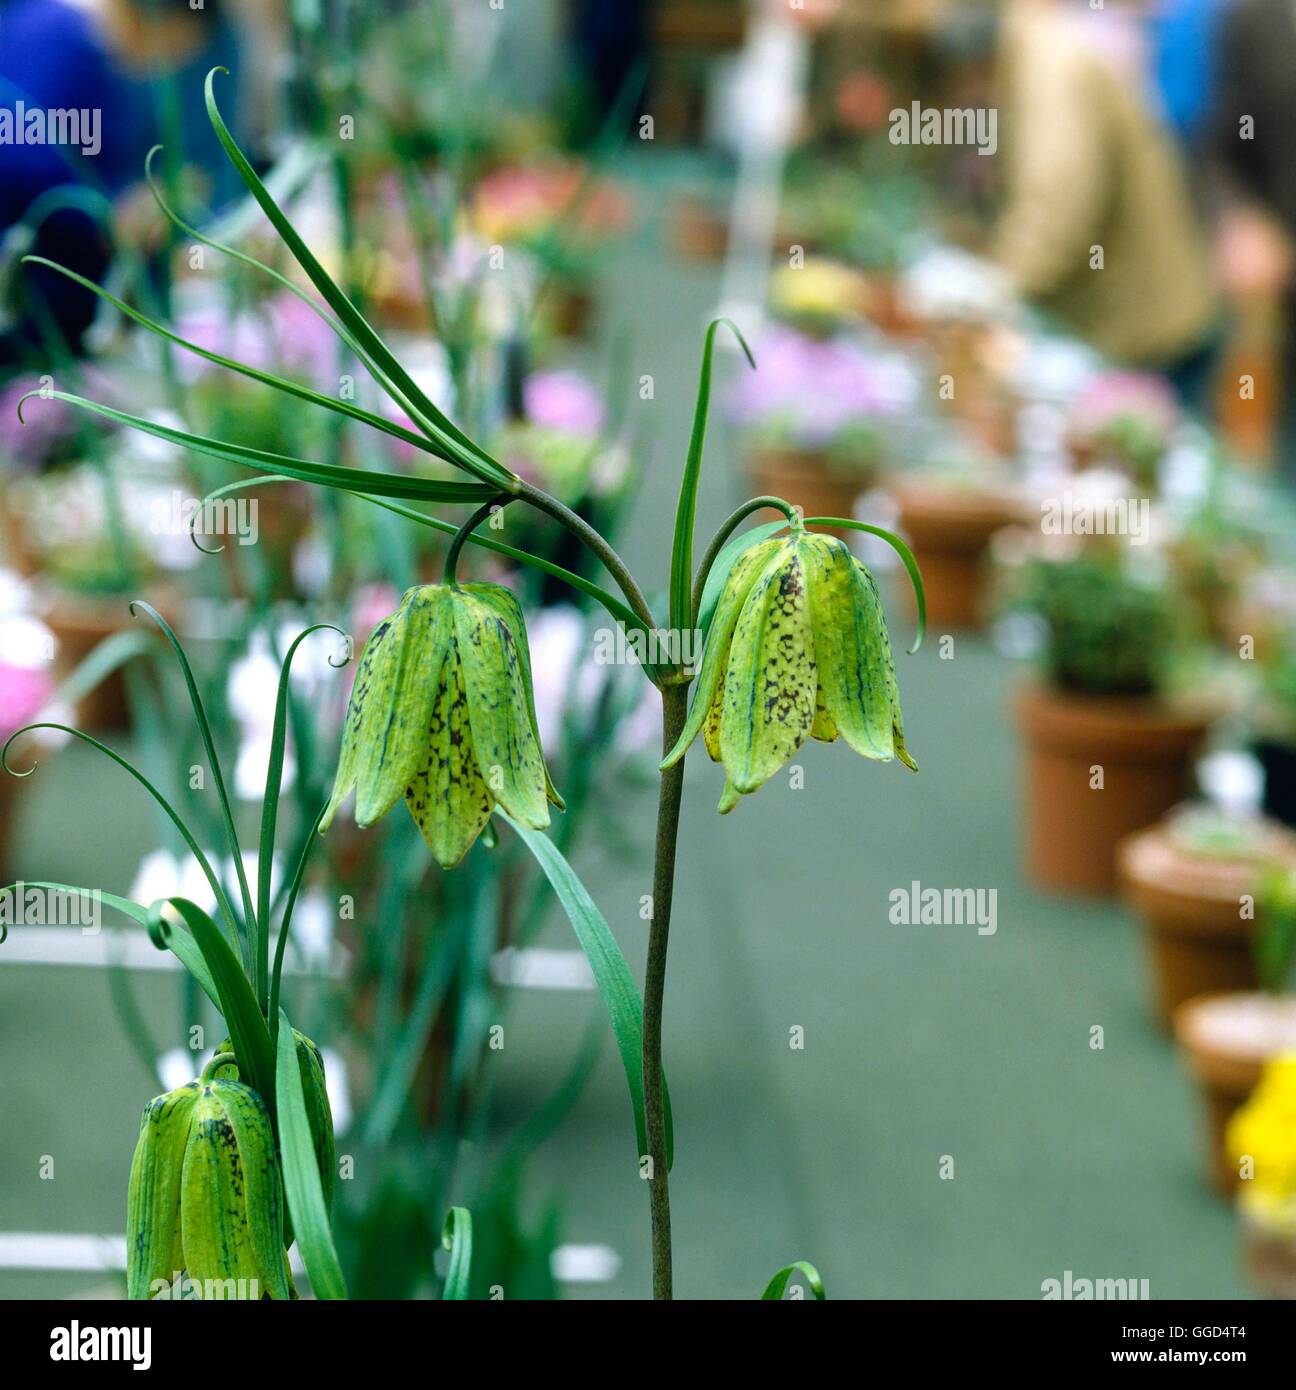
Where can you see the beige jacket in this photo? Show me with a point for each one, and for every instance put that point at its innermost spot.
(1088, 164)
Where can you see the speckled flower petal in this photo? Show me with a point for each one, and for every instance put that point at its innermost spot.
(747, 569)
(504, 602)
(367, 672)
(769, 690)
(711, 724)
(447, 797)
(823, 728)
(507, 751)
(851, 647)
(893, 690)
(396, 716)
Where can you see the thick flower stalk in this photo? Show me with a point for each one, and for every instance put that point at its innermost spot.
(442, 713)
(798, 648)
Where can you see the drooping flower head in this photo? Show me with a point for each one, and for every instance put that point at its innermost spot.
(798, 646)
(442, 714)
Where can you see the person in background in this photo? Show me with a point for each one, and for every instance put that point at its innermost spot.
(138, 72)
(1254, 131)
(1184, 36)
(1096, 224)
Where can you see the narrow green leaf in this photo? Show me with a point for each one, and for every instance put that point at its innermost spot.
(467, 455)
(238, 1005)
(778, 1285)
(302, 470)
(288, 387)
(285, 922)
(302, 1184)
(612, 974)
(681, 585)
(456, 1237)
(270, 815)
(217, 887)
(106, 657)
(209, 744)
(901, 549)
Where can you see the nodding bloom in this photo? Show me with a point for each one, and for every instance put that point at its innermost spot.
(442, 714)
(798, 646)
(205, 1194)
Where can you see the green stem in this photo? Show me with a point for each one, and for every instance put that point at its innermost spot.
(731, 524)
(590, 538)
(463, 534)
(674, 710)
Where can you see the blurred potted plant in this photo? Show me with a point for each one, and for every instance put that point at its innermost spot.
(1124, 420)
(1193, 881)
(1109, 742)
(813, 428)
(1227, 1039)
(1262, 1147)
(559, 212)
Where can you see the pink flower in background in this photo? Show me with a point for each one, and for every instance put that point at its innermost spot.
(24, 690)
(1114, 396)
(287, 336)
(518, 203)
(563, 401)
(810, 390)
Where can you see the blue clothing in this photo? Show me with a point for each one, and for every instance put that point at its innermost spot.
(1185, 39)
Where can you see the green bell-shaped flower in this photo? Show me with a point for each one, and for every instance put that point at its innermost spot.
(798, 646)
(205, 1196)
(442, 713)
(319, 1113)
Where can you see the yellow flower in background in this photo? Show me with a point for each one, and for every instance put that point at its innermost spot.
(819, 289)
(1263, 1135)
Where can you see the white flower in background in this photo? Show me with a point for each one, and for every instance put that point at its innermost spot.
(162, 874)
(252, 691)
(563, 670)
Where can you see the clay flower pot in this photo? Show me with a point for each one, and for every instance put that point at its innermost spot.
(1145, 749)
(1226, 1039)
(1269, 1257)
(79, 623)
(949, 529)
(1191, 904)
(803, 477)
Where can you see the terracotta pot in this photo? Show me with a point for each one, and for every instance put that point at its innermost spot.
(1269, 1257)
(950, 529)
(804, 478)
(697, 231)
(1190, 904)
(80, 622)
(1146, 751)
(1226, 1039)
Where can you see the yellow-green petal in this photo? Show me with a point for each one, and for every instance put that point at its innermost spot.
(447, 797)
(348, 761)
(851, 646)
(504, 741)
(893, 690)
(770, 680)
(747, 569)
(398, 707)
(504, 602)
